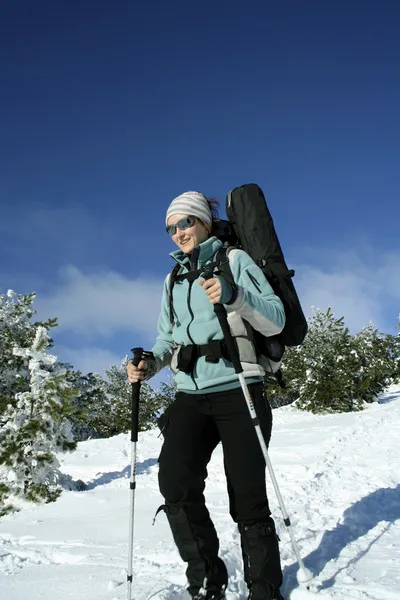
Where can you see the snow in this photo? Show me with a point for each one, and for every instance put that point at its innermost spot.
(339, 476)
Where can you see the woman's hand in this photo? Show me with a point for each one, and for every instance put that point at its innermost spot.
(212, 288)
(136, 374)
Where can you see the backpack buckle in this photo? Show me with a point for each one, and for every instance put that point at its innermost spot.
(212, 359)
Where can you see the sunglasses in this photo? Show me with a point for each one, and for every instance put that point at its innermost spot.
(182, 224)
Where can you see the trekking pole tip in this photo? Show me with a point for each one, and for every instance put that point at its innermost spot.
(304, 577)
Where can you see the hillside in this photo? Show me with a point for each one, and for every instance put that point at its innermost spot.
(339, 476)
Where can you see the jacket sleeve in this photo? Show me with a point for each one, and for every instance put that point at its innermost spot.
(164, 345)
(256, 301)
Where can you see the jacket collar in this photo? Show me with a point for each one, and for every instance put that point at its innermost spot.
(206, 250)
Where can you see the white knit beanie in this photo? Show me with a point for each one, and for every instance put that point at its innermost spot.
(190, 203)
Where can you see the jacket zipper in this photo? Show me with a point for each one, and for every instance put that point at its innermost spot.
(190, 311)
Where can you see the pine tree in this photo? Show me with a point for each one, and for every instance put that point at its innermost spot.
(380, 354)
(330, 366)
(90, 402)
(35, 427)
(294, 371)
(336, 371)
(16, 328)
(165, 395)
(109, 410)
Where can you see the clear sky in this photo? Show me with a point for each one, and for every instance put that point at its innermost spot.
(110, 109)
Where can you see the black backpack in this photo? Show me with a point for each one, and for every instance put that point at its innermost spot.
(251, 228)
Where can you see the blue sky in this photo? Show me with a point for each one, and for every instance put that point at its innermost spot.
(109, 110)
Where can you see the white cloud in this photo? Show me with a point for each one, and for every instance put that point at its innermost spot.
(102, 304)
(360, 287)
(357, 285)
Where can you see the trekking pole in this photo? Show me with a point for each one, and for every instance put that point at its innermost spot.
(220, 311)
(138, 354)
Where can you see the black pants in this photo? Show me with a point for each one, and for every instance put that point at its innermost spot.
(194, 425)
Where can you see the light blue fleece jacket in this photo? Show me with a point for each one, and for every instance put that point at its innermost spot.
(195, 321)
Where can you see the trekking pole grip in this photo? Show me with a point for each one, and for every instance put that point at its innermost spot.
(220, 312)
(137, 357)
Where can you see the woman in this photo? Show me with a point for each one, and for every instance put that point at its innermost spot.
(209, 406)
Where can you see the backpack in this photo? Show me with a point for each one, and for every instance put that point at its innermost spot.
(250, 228)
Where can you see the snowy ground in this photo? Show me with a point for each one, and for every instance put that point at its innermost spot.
(339, 476)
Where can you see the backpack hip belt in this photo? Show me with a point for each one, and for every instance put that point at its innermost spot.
(188, 355)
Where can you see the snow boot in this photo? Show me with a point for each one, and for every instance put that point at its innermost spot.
(211, 592)
(198, 545)
(261, 560)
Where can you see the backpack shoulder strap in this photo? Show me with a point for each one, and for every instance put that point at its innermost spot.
(221, 258)
(172, 279)
(220, 262)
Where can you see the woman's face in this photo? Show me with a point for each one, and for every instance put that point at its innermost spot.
(189, 238)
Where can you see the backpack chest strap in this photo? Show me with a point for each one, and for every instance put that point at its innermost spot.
(193, 275)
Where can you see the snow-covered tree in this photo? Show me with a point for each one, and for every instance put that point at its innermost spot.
(331, 366)
(165, 394)
(293, 375)
(380, 354)
(35, 427)
(334, 370)
(164, 397)
(90, 401)
(16, 329)
(108, 407)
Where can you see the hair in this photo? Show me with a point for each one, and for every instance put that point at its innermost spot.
(213, 205)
